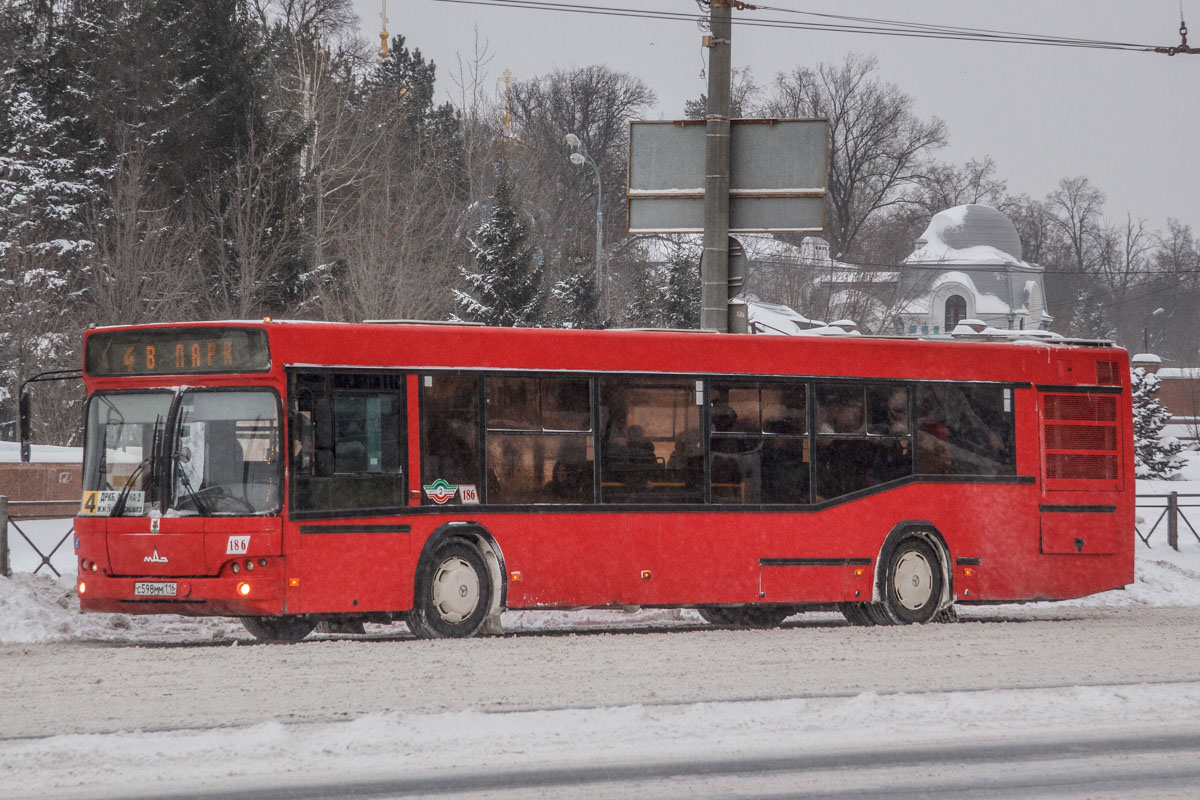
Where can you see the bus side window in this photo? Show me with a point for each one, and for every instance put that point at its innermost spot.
(450, 455)
(644, 422)
(964, 429)
(348, 442)
(863, 438)
(758, 438)
(539, 439)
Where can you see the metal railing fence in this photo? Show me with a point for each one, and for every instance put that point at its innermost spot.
(1171, 510)
(10, 512)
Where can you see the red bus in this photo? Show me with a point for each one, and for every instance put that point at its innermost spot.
(294, 473)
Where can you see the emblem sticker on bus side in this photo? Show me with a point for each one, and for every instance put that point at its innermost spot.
(237, 546)
(440, 492)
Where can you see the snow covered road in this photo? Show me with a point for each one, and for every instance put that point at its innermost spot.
(73, 688)
(90, 719)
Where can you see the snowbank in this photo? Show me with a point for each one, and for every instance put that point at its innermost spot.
(47, 454)
(419, 747)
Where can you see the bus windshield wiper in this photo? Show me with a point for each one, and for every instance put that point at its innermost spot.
(118, 509)
(187, 484)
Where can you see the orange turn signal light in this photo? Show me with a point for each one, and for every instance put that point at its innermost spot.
(646, 575)
(515, 577)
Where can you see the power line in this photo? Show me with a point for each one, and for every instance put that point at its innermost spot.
(840, 24)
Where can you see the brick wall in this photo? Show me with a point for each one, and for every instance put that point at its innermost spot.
(27, 482)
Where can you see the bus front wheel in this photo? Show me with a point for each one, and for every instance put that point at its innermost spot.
(454, 589)
(278, 629)
(760, 616)
(911, 584)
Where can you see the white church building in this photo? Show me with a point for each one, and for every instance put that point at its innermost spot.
(967, 265)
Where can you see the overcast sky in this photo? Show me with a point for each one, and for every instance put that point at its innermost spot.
(1128, 121)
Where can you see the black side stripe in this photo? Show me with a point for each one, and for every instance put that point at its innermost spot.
(355, 528)
(814, 562)
(1077, 509)
(1076, 389)
(967, 562)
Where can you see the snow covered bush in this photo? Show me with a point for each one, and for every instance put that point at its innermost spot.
(1155, 455)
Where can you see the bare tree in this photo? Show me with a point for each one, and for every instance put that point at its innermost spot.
(943, 186)
(307, 17)
(744, 94)
(247, 245)
(1076, 209)
(1125, 260)
(398, 253)
(595, 103)
(316, 101)
(1032, 219)
(479, 112)
(1175, 287)
(137, 267)
(878, 144)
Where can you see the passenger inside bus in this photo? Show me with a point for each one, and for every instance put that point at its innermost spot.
(785, 466)
(224, 462)
(726, 472)
(566, 483)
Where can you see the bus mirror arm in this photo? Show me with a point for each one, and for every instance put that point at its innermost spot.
(24, 403)
(23, 408)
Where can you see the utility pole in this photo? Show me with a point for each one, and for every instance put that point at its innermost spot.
(714, 265)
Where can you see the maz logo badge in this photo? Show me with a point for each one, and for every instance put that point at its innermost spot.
(155, 558)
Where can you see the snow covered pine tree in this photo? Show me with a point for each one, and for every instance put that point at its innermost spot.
(1154, 454)
(507, 289)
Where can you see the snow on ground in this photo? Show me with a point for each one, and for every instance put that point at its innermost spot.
(377, 747)
(39, 608)
(47, 454)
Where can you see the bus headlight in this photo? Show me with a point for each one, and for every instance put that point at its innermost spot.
(243, 588)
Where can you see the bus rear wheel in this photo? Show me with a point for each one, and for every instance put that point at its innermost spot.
(278, 629)
(911, 584)
(857, 613)
(454, 590)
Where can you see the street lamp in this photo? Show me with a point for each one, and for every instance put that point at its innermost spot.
(1146, 329)
(579, 158)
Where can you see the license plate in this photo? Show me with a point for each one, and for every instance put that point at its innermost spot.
(146, 589)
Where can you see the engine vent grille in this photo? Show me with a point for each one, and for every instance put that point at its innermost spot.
(1081, 407)
(1108, 373)
(1082, 439)
(1081, 466)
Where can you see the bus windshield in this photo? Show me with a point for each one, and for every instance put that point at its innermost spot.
(122, 431)
(225, 455)
(223, 458)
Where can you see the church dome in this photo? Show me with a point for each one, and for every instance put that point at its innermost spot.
(973, 225)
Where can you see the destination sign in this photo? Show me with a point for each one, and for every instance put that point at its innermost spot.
(177, 351)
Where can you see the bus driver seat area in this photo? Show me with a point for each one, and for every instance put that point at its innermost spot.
(225, 461)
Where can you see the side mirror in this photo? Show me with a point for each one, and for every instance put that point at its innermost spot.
(24, 403)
